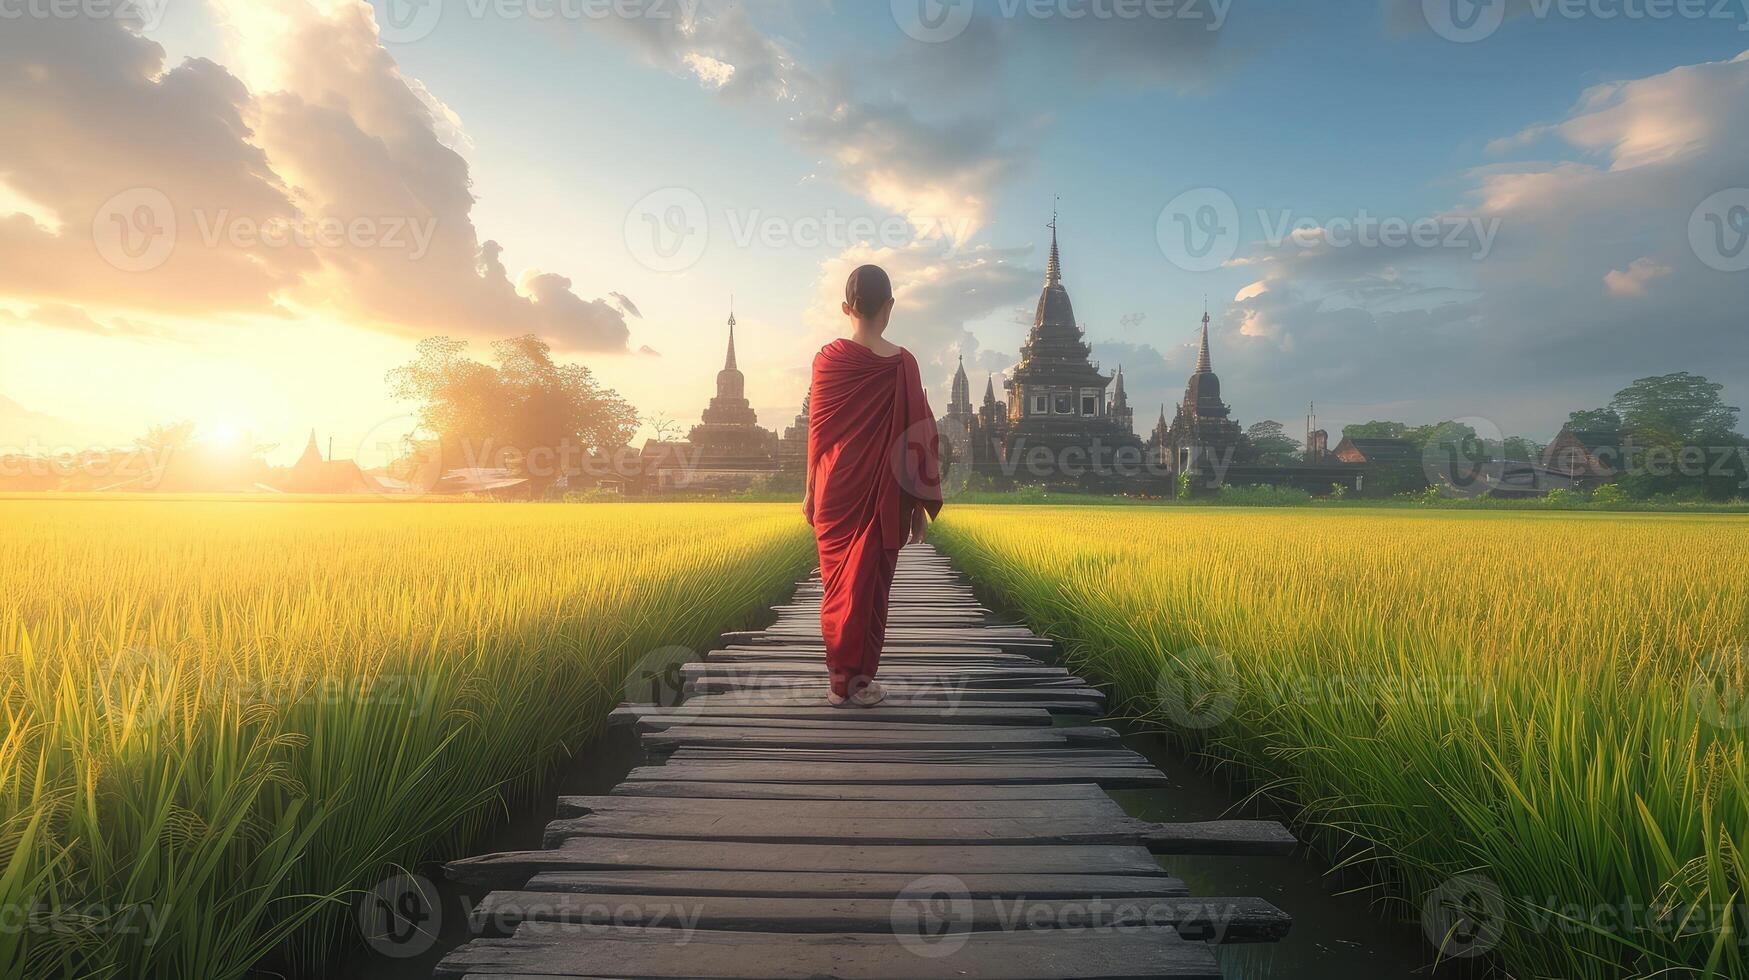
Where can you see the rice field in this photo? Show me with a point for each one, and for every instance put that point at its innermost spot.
(1526, 731)
(224, 717)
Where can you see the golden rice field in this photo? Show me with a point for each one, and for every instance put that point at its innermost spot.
(1529, 728)
(222, 717)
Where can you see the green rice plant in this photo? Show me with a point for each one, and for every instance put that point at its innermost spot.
(224, 717)
(1540, 714)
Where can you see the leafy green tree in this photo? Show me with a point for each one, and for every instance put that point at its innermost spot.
(525, 413)
(1271, 444)
(1679, 439)
(1376, 430)
(1595, 419)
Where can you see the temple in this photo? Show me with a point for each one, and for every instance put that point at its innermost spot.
(729, 430)
(1056, 394)
(1202, 437)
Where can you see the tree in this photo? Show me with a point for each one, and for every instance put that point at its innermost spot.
(1376, 430)
(1679, 438)
(526, 413)
(1595, 419)
(1683, 404)
(1271, 443)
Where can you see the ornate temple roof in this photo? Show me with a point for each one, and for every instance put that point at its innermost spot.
(1054, 351)
(1202, 396)
(960, 400)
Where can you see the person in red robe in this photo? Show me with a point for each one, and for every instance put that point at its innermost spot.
(873, 481)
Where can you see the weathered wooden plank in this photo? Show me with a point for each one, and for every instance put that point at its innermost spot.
(947, 704)
(570, 950)
(1233, 838)
(806, 810)
(859, 791)
(1008, 754)
(803, 884)
(585, 853)
(891, 737)
(900, 695)
(1008, 714)
(1237, 838)
(984, 831)
(1220, 920)
(1124, 777)
(780, 724)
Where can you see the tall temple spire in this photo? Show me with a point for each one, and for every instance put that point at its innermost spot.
(729, 362)
(990, 390)
(1203, 366)
(1054, 272)
(960, 399)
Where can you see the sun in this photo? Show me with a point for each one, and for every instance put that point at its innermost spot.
(226, 433)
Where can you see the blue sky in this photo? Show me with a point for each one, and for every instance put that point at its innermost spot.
(1581, 146)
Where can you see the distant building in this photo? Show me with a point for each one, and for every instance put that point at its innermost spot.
(729, 432)
(1376, 451)
(1056, 394)
(1586, 457)
(792, 449)
(1203, 440)
(314, 475)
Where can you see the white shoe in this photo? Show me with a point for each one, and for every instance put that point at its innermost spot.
(872, 694)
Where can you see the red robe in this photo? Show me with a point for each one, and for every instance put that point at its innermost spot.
(873, 457)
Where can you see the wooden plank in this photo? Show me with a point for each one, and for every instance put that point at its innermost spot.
(1007, 754)
(804, 884)
(804, 810)
(569, 950)
(893, 737)
(859, 791)
(907, 695)
(1122, 777)
(845, 830)
(1245, 838)
(1219, 920)
(1011, 714)
(585, 853)
(984, 831)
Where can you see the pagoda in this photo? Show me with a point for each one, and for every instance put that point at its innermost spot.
(1056, 394)
(730, 428)
(1203, 437)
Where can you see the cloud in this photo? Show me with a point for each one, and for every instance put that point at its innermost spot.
(323, 181)
(1525, 327)
(938, 170)
(62, 316)
(1633, 280)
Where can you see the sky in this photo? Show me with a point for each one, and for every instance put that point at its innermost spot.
(244, 213)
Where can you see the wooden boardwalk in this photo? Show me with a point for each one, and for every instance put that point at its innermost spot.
(962, 829)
